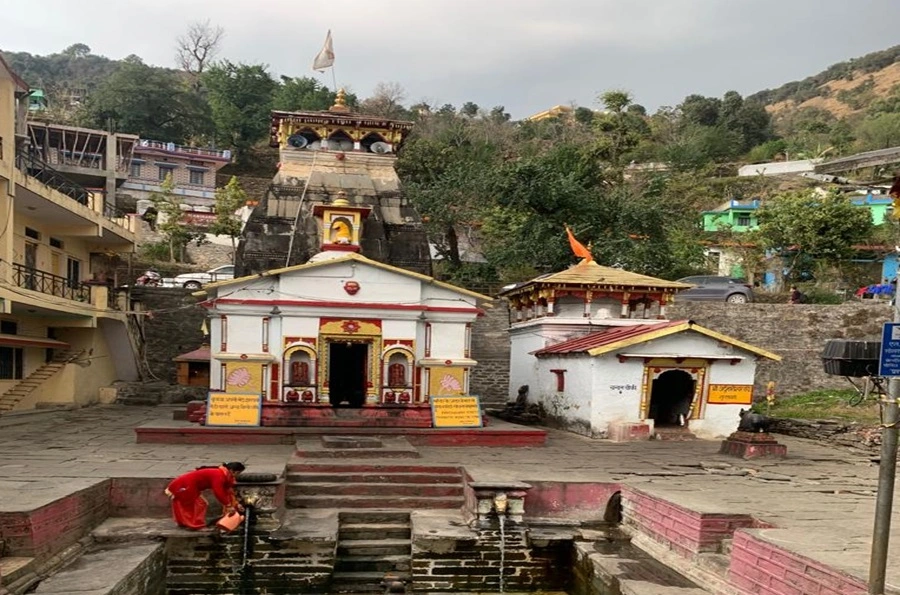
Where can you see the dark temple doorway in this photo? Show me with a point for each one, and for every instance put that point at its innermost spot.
(347, 367)
(670, 398)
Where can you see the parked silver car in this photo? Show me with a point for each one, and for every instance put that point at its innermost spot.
(198, 280)
(715, 288)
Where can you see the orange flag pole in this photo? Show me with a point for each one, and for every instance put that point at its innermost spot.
(578, 248)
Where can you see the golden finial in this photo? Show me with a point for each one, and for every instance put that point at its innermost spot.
(340, 102)
(341, 200)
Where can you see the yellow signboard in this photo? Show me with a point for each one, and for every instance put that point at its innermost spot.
(455, 412)
(233, 409)
(730, 394)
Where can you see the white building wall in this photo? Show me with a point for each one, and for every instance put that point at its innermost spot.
(616, 392)
(244, 334)
(326, 283)
(721, 420)
(448, 340)
(572, 406)
(299, 326)
(398, 329)
(522, 365)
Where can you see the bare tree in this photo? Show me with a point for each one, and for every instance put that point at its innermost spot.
(197, 47)
(386, 100)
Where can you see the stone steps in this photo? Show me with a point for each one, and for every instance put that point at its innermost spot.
(402, 477)
(674, 433)
(375, 489)
(381, 501)
(374, 548)
(363, 531)
(124, 570)
(388, 486)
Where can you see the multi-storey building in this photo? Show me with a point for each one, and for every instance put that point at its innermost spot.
(64, 331)
(193, 171)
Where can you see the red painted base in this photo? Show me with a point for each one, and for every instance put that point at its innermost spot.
(303, 415)
(750, 445)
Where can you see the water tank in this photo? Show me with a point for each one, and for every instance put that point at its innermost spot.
(845, 357)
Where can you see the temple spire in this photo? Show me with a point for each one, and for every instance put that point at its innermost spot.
(340, 102)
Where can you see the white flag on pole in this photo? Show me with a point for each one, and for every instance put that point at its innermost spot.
(325, 58)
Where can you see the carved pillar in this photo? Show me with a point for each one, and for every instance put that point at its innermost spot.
(626, 309)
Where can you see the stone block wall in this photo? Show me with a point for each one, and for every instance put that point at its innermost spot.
(758, 566)
(490, 348)
(795, 332)
(474, 565)
(211, 565)
(173, 327)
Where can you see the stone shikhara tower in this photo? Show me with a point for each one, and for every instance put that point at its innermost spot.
(336, 188)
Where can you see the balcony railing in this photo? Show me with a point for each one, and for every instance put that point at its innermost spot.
(34, 167)
(37, 280)
(173, 148)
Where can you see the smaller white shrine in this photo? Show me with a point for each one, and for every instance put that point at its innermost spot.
(594, 349)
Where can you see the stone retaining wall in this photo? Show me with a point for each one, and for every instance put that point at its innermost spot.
(795, 332)
(830, 431)
(490, 348)
(172, 328)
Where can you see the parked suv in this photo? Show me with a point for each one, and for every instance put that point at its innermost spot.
(198, 280)
(715, 288)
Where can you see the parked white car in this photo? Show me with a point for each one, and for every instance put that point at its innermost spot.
(198, 280)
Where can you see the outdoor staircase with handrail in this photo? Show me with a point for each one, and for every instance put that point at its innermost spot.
(27, 385)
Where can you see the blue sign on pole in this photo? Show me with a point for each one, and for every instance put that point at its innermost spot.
(889, 362)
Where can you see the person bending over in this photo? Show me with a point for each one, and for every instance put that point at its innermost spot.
(186, 493)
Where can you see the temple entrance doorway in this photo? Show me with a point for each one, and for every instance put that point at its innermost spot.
(347, 374)
(671, 395)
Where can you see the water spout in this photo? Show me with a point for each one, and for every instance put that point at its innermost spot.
(500, 503)
(502, 520)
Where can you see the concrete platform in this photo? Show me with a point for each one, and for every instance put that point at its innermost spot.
(122, 570)
(498, 433)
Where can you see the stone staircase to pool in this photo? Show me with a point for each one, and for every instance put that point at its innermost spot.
(355, 472)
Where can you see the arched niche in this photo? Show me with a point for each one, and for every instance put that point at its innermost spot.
(370, 139)
(340, 141)
(398, 368)
(300, 366)
(341, 231)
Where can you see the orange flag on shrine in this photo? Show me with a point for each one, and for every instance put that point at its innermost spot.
(578, 248)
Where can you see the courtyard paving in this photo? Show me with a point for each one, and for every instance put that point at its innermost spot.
(820, 499)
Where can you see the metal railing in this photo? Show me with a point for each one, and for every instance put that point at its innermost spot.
(36, 168)
(44, 282)
(173, 148)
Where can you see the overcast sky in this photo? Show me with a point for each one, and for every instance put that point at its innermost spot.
(527, 55)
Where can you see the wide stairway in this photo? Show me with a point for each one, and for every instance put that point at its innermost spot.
(14, 395)
(383, 486)
(374, 549)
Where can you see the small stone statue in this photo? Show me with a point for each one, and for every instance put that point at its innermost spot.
(753, 422)
(521, 399)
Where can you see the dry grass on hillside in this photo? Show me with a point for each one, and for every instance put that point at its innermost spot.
(885, 80)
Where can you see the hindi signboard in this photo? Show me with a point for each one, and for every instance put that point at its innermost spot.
(889, 360)
(456, 412)
(233, 409)
(730, 394)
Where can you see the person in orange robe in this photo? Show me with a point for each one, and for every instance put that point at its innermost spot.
(186, 493)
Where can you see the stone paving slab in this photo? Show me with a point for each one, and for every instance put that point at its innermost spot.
(104, 572)
(821, 498)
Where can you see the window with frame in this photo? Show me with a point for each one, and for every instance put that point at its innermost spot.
(9, 327)
(135, 170)
(743, 219)
(197, 177)
(11, 363)
(164, 171)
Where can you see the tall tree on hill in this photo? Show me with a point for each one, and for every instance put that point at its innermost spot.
(386, 100)
(804, 224)
(306, 93)
(147, 101)
(197, 48)
(229, 199)
(240, 99)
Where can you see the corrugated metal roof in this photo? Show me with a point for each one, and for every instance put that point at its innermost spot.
(606, 337)
(197, 355)
(616, 338)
